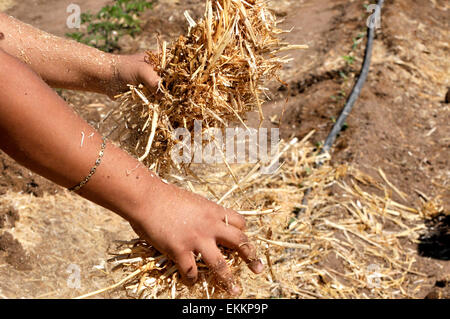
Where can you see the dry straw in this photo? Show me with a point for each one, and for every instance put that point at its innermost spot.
(214, 74)
(344, 244)
(348, 243)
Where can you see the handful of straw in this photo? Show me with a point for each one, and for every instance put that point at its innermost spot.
(213, 74)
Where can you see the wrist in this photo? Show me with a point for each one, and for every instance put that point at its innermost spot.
(116, 79)
(139, 201)
(102, 76)
(112, 83)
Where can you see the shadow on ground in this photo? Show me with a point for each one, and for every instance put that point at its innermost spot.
(435, 243)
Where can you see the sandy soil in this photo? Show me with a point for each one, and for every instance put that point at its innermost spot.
(400, 124)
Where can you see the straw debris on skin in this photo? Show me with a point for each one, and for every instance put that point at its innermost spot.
(214, 74)
(347, 243)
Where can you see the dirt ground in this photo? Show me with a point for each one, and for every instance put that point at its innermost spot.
(399, 124)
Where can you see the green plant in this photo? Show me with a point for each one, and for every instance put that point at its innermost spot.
(344, 127)
(104, 29)
(343, 75)
(357, 40)
(349, 59)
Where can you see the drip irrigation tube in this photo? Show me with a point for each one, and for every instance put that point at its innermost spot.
(340, 122)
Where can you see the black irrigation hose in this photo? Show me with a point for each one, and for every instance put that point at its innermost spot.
(340, 122)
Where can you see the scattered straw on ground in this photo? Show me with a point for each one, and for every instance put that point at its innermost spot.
(6, 4)
(348, 242)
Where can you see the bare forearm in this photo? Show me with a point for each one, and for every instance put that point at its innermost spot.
(40, 131)
(60, 62)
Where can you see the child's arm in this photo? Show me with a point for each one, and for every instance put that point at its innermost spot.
(40, 131)
(64, 63)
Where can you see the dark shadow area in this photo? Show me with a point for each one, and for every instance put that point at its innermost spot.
(441, 290)
(435, 243)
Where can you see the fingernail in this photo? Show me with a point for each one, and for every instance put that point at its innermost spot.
(257, 266)
(190, 281)
(235, 290)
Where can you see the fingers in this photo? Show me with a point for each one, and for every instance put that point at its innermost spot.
(231, 217)
(187, 267)
(216, 263)
(233, 238)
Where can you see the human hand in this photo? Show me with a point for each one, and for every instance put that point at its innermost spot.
(181, 224)
(131, 69)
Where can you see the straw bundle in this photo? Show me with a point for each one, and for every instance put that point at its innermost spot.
(214, 74)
